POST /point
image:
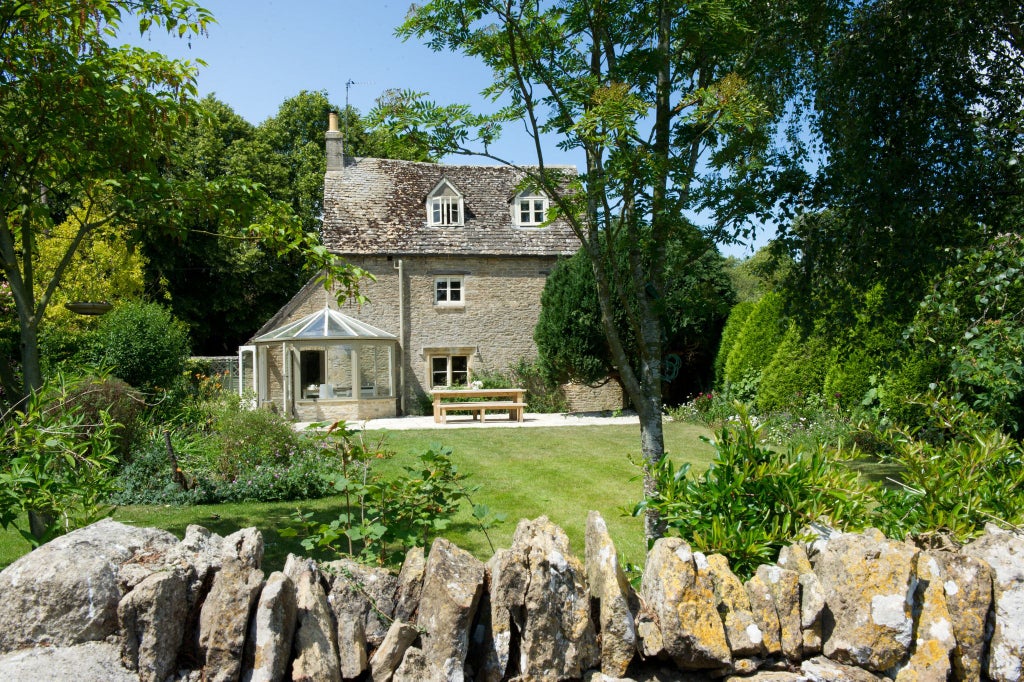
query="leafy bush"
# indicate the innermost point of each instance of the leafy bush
(124, 406)
(55, 463)
(143, 344)
(865, 353)
(958, 472)
(968, 335)
(196, 475)
(542, 395)
(709, 409)
(149, 478)
(808, 424)
(222, 452)
(245, 438)
(384, 516)
(754, 347)
(753, 500)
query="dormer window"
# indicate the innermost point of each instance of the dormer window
(444, 206)
(530, 209)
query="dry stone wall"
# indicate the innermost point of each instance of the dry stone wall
(114, 602)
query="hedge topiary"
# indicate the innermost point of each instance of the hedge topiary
(761, 334)
(733, 325)
(796, 371)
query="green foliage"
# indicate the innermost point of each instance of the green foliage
(753, 500)
(754, 347)
(762, 272)
(810, 423)
(733, 325)
(143, 344)
(541, 394)
(709, 409)
(223, 287)
(968, 335)
(219, 451)
(118, 121)
(56, 461)
(111, 158)
(384, 516)
(957, 473)
(864, 352)
(919, 109)
(571, 339)
(124, 407)
(796, 371)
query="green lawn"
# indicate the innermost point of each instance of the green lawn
(562, 472)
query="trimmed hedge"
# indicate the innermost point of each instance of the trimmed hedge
(733, 325)
(797, 370)
(760, 336)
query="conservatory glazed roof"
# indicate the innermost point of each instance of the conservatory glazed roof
(325, 324)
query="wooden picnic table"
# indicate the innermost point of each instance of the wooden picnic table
(479, 401)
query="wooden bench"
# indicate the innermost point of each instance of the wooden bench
(514, 409)
(478, 402)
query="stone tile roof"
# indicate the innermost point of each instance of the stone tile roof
(378, 206)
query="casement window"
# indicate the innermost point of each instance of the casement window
(444, 206)
(449, 291)
(449, 370)
(530, 209)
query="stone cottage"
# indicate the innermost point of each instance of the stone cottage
(460, 255)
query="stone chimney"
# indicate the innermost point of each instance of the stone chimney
(335, 144)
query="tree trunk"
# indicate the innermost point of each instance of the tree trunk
(39, 523)
(652, 447)
(32, 375)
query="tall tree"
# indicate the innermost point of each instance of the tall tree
(222, 287)
(79, 117)
(920, 110)
(673, 104)
(571, 345)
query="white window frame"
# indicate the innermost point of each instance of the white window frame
(445, 206)
(448, 370)
(535, 205)
(447, 281)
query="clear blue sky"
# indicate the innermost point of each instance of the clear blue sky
(261, 52)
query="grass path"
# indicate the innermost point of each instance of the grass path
(562, 472)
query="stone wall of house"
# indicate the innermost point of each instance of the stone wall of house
(608, 397)
(349, 410)
(115, 602)
(493, 325)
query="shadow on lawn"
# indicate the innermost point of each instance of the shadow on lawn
(274, 518)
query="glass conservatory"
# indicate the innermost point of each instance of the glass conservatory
(326, 365)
